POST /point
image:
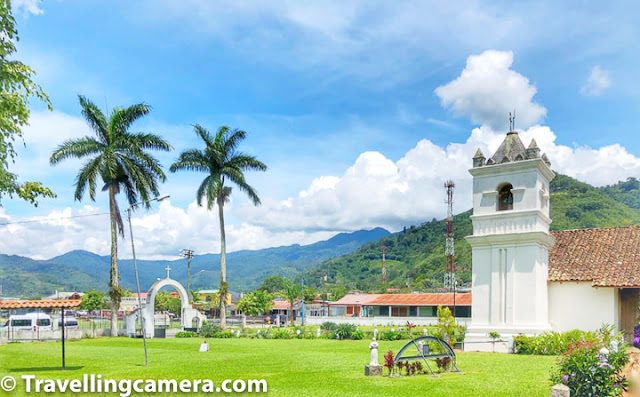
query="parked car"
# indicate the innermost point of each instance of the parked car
(28, 322)
(69, 322)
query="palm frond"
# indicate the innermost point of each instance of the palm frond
(76, 148)
(121, 119)
(87, 175)
(95, 118)
(233, 140)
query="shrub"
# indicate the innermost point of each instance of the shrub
(446, 327)
(209, 329)
(185, 334)
(392, 335)
(555, 343)
(331, 335)
(344, 331)
(443, 363)
(589, 369)
(389, 363)
(357, 335)
(282, 334)
(222, 335)
(329, 326)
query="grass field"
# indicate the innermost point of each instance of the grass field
(291, 367)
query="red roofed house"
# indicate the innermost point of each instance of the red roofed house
(528, 280)
(402, 307)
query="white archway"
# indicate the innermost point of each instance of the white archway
(187, 314)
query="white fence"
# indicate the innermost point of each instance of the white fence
(378, 321)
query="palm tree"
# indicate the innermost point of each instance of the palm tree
(120, 159)
(291, 293)
(222, 163)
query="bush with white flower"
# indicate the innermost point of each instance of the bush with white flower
(594, 368)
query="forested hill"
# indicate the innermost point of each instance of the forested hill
(416, 256)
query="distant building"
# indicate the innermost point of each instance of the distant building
(415, 305)
(63, 295)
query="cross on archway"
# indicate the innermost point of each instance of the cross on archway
(168, 269)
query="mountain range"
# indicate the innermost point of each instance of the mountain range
(415, 256)
(82, 270)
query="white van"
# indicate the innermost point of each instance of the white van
(28, 322)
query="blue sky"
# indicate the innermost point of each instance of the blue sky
(340, 99)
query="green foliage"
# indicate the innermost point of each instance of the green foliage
(357, 335)
(494, 335)
(273, 284)
(626, 192)
(446, 327)
(393, 335)
(593, 368)
(256, 302)
(185, 334)
(555, 343)
(344, 331)
(92, 300)
(282, 333)
(165, 302)
(208, 330)
(417, 254)
(16, 88)
(329, 326)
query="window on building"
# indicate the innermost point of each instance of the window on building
(413, 311)
(505, 198)
(384, 310)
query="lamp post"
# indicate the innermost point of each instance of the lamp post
(302, 307)
(187, 253)
(135, 268)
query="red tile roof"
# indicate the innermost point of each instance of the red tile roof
(607, 257)
(40, 304)
(355, 299)
(418, 299)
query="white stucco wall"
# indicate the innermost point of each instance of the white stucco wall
(580, 306)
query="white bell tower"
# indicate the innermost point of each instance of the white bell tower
(510, 243)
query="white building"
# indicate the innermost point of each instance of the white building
(520, 282)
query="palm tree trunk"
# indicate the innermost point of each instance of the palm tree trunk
(223, 263)
(114, 276)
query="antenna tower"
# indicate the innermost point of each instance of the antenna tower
(450, 267)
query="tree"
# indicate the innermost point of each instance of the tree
(256, 302)
(273, 284)
(92, 300)
(222, 163)
(290, 293)
(310, 294)
(121, 160)
(166, 302)
(16, 88)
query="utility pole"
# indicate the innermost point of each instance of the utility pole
(450, 268)
(187, 253)
(302, 302)
(384, 269)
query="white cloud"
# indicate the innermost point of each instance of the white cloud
(28, 6)
(488, 89)
(375, 191)
(597, 82)
(159, 234)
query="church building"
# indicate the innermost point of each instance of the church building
(528, 280)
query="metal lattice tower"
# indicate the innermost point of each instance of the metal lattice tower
(450, 267)
(384, 269)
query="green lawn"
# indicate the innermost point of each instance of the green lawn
(291, 367)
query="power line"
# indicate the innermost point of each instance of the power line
(53, 219)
